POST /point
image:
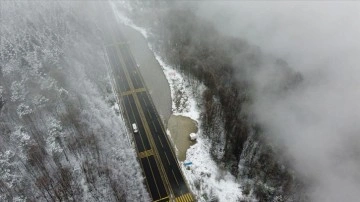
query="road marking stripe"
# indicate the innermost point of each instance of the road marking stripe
(154, 126)
(147, 109)
(138, 90)
(161, 199)
(167, 158)
(174, 177)
(143, 100)
(185, 197)
(160, 142)
(146, 153)
(189, 197)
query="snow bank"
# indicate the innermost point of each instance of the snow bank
(193, 136)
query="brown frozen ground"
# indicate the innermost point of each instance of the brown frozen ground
(180, 128)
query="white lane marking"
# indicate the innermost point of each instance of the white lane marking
(154, 125)
(160, 142)
(167, 158)
(175, 177)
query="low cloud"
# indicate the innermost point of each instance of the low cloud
(319, 121)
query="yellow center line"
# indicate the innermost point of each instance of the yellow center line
(129, 119)
(132, 87)
(141, 117)
(147, 129)
(162, 126)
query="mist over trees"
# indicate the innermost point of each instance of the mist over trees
(317, 120)
(226, 66)
(60, 139)
(229, 67)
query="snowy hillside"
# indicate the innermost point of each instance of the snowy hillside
(60, 137)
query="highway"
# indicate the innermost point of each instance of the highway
(163, 177)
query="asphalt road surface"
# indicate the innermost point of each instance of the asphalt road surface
(163, 176)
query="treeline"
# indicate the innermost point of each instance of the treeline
(226, 66)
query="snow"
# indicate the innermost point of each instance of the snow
(193, 136)
(207, 181)
(23, 109)
(178, 83)
(205, 178)
(206, 175)
(116, 107)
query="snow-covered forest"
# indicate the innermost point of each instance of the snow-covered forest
(268, 128)
(60, 137)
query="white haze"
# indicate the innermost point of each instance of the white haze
(319, 122)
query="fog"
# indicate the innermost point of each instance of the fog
(318, 122)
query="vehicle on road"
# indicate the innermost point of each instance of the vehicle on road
(135, 128)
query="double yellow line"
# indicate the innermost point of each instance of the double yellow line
(144, 122)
